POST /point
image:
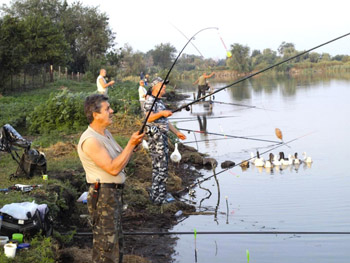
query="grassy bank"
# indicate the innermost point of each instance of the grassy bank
(66, 178)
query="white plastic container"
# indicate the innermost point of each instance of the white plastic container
(3, 240)
(10, 250)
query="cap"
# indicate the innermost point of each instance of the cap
(158, 80)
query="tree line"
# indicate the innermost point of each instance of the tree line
(35, 34)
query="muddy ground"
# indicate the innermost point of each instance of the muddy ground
(141, 215)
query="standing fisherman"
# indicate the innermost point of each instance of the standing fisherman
(157, 129)
(104, 162)
(202, 84)
(102, 85)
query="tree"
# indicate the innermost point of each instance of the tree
(88, 34)
(240, 58)
(12, 48)
(163, 55)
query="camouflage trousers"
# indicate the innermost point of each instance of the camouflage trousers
(158, 148)
(107, 227)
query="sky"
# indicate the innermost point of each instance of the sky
(258, 24)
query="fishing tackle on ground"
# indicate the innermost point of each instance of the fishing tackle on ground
(258, 72)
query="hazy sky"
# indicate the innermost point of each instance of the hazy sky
(258, 24)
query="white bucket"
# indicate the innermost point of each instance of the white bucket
(3, 240)
(10, 250)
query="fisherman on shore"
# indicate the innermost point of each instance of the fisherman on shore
(102, 85)
(157, 128)
(104, 161)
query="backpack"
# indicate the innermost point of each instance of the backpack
(32, 163)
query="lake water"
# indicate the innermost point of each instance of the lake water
(315, 198)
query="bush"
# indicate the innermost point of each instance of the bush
(63, 112)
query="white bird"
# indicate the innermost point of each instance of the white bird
(145, 145)
(259, 162)
(252, 158)
(307, 159)
(296, 159)
(175, 156)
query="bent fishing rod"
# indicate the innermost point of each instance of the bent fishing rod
(244, 161)
(229, 136)
(258, 72)
(167, 75)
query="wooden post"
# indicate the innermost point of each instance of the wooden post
(51, 73)
(72, 75)
(59, 72)
(66, 73)
(78, 75)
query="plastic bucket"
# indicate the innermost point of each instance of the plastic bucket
(3, 240)
(18, 237)
(10, 250)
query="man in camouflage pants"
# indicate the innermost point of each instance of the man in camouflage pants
(104, 162)
(157, 129)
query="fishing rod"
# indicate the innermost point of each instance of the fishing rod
(230, 136)
(167, 75)
(195, 119)
(258, 72)
(187, 39)
(229, 103)
(208, 117)
(244, 161)
(224, 233)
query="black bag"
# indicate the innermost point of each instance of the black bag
(31, 226)
(32, 163)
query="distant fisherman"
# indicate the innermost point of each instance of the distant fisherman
(102, 85)
(202, 84)
(157, 129)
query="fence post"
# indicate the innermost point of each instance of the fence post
(51, 73)
(78, 75)
(66, 73)
(59, 72)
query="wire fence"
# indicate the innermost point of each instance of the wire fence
(36, 76)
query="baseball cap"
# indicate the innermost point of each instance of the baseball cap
(158, 80)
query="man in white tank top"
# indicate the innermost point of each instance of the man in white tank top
(104, 162)
(102, 85)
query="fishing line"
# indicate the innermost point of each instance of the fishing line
(231, 136)
(228, 53)
(167, 75)
(260, 71)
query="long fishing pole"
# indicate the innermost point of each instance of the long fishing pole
(229, 103)
(268, 150)
(189, 120)
(187, 39)
(230, 136)
(167, 75)
(260, 71)
(225, 233)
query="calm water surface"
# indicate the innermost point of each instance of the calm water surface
(315, 198)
